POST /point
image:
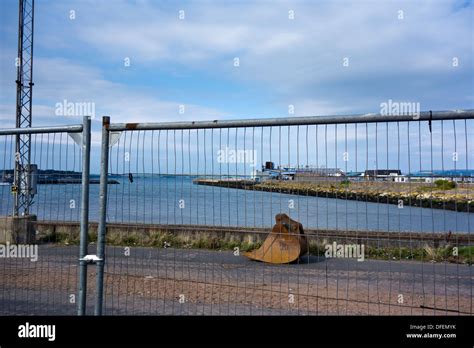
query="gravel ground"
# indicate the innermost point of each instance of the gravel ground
(200, 282)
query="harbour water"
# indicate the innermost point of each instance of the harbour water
(176, 200)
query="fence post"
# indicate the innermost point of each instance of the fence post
(86, 147)
(104, 168)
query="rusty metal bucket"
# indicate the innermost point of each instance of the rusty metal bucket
(286, 243)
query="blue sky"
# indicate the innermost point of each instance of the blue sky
(282, 61)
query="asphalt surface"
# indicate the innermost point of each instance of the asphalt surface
(150, 281)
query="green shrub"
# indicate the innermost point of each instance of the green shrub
(444, 184)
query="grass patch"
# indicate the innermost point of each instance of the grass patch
(465, 254)
(210, 241)
(59, 238)
(345, 183)
(158, 239)
(426, 253)
(439, 185)
(445, 184)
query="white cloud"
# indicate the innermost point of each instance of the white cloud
(295, 61)
(59, 79)
(321, 34)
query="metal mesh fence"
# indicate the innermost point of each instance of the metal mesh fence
(385, 208)
(59, 161)
(385, 204)
(39, 252)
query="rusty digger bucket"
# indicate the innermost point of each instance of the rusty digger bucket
(286, 242)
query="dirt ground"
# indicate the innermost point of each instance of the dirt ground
(196, 282)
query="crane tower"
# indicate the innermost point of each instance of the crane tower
(24, 88)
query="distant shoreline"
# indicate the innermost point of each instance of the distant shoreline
(66, 182)
(414, 198)
(55, 177)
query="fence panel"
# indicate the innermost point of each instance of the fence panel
(39, 263)
(385, 202)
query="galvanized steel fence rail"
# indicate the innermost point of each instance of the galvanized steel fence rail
(39, 265)
(190, 197)
(385, 201)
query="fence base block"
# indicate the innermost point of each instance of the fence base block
(18, 229)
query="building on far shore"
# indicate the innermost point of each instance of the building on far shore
(455, 175)
(383, 174)
(315, 174)
(355, 176)
(301, 174)
(322, 174)
(424, 176)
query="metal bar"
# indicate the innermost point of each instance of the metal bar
(86, 144)
(211, 288)
(37, 130)
(24, 83)
(295, 121)
(104, 162)
(28, 197)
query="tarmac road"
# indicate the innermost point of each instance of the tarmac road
(150, 281)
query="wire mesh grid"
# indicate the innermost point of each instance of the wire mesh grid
(59, 161)
(385, 208)
(38, 271)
